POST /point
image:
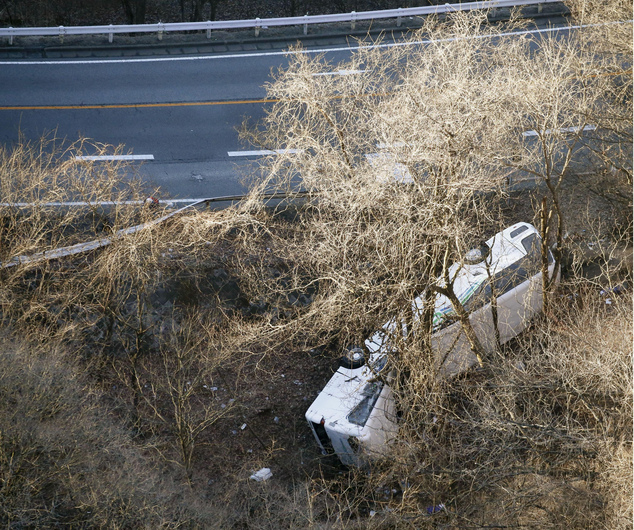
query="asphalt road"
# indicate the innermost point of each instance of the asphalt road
(184, 111)
(181, 111)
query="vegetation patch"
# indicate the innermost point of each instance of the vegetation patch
(144, 382)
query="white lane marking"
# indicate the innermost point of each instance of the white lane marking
(389, 170)
(565, 130)
(264, 152)
(341, 72)
(304, 52)
(115, 157)
(388, 146)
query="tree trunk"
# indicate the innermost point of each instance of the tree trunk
(467, 328)
(544, 232)
(134, 10)
(197, 10)
(494, 307)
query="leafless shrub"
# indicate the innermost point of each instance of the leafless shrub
(179, 389)
(62, 461)
(38, 181)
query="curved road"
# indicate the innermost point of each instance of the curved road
(179, 112)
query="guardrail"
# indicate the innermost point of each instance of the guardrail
(264, 23)
(81, 248)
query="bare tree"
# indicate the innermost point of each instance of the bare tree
(179, 391)
(576, 116)
(402, 163)
(398, 160)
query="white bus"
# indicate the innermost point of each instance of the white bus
(354, 415)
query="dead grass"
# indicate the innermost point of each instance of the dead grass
(62, 460)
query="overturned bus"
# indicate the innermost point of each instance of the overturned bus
(355, 416)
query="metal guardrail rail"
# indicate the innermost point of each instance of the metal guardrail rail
(95, 244)
(262, 23)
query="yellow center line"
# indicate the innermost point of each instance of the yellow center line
(236, 102)
(138, 105)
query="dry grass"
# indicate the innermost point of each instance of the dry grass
(62, 460)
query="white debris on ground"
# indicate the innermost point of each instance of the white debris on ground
(262, 475)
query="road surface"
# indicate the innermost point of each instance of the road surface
(178, 114)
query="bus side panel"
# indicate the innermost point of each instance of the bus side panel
(514, 311)
(452, 348)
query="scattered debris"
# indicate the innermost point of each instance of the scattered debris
(435, 509)
(244, 426)
(617, 289)
(262, 475)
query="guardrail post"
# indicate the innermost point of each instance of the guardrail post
(209, 29)
(399, 17)
(306, 24)
(111, 34)
(448, 8)
(160, 31)
(257, 27)
(540, 7)
(62, 32)
(10, 37)
(353, 20)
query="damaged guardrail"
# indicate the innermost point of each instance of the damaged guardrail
(81, 248)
